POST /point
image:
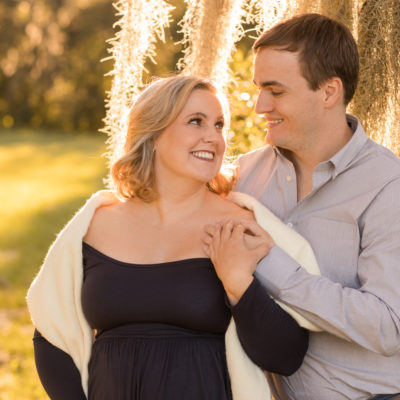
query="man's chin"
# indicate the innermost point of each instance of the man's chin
(269, 139)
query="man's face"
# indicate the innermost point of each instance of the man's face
(292, 110)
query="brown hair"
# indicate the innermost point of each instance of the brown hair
(153, 111)
(326, 49)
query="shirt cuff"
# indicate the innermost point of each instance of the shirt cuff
(275, 269)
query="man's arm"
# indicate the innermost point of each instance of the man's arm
(368, 315)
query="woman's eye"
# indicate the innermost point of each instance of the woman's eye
(275, 93)
(195, 121)
(219, 125)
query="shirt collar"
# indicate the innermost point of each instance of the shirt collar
(348, 152)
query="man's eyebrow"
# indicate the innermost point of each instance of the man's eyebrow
(269, 83)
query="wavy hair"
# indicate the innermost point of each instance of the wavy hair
(154, 110)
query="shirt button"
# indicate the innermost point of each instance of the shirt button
(288, 178)
(290, 225)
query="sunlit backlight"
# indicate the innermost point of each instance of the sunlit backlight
(210, 30)
(140, 23)
(244, 96)
(390, 135)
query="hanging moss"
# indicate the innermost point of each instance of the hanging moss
(377, 100)
(210, 29)
(140, 23)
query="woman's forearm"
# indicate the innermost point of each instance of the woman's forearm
(270, 336)
(59, 375)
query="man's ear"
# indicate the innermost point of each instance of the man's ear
(333, 92)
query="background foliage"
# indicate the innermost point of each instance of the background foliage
(52, 90)
(51, 74)
(50, 70)
(44, 178)
(52, 77)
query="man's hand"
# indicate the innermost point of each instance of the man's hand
(235, 251)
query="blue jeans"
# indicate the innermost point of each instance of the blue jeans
(385, 396)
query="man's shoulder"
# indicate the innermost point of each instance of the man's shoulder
(372, 169)
(385, 152)
(368, 154)
(382, 158)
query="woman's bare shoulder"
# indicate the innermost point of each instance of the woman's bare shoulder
(107, 212)
(105, 220)
(230, 210)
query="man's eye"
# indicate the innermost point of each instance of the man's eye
(195, 121)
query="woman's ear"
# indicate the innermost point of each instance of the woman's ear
(333, 92)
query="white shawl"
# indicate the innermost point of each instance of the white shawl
(54, 298)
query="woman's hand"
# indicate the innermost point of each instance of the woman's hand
(235, 250)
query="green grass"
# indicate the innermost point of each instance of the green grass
(45, 177)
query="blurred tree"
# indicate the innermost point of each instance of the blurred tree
(247, 128)
(51, 74)
(50, 70)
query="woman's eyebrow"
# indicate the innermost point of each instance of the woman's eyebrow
(197, 114)
(201, 114)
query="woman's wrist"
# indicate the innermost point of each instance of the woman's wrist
(235, 290)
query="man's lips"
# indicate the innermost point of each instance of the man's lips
(273, 122)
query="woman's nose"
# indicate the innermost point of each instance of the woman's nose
(211, 134)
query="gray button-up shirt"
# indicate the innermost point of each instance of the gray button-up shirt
(352, 220)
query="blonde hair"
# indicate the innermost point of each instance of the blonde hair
(154, 110)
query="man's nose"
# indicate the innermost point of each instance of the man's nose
(264, 103)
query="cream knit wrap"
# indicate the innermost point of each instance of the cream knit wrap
(54, 298)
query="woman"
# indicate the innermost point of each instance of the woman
(141, 279)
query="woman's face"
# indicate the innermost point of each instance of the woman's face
(193, 146)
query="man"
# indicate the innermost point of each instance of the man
(324, 177)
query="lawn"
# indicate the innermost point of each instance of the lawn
(45, 177)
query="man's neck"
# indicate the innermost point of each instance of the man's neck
(306, 159)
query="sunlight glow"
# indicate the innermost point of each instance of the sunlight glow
(211, 28)
(141, 23)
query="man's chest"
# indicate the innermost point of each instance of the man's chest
(329, 218)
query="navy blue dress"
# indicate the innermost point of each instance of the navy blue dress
(160, 329)
(160, 333)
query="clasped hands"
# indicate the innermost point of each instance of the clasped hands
(235, 249)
